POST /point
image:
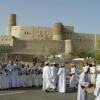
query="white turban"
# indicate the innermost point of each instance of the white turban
(85, 69)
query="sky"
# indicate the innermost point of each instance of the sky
(84, 15)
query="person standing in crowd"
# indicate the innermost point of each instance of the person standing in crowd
(39, 75)
(10, 68)
(19, 74)
(97, 87)
(54, 72)
(5, 81)
(28, 76)
(74, 77)
(23, 76)
(36, 78)
(83, 84)
(33, 74)
(15, 76)
(93, 74)
(62, 79)
(47, 77)
(56, 79)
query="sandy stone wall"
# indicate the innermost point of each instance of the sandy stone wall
(43, 47)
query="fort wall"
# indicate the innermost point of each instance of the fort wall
(38, 47)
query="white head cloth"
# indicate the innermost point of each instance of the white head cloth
(85, 69)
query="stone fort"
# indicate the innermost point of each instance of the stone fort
(26, 41)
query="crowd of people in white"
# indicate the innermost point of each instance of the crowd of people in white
(15, 75)
(51, 77)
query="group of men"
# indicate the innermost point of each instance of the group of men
(54, 77)
(51, 76)
(85, 82)
(16, 75)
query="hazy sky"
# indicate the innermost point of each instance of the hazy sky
(84, 15)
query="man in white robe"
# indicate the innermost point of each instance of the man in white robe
(36, 76)
(40, 76)
(97, 87)
(54, 73)
(15, 76)
(5, 81)
(62, 79)
(29, 76)
(10, 68)
(93, 74)
(33, 74)
(47, 77)
(19, 75)
(83, 84)
(23, 76)
(74, 78)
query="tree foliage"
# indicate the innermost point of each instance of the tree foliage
(81, 53)
(97, 57)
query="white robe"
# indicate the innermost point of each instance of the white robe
(47, 78)
(19, 76)
(5, 84)
(83, 81)
(97, 88)
(74, 80)
(93, 74)
(10, 68)
(54, 74)
(23, 77)
(1, 77)
(15, 76)
(36, 78)
(29, 77)
(40, 76)
(62, 80)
